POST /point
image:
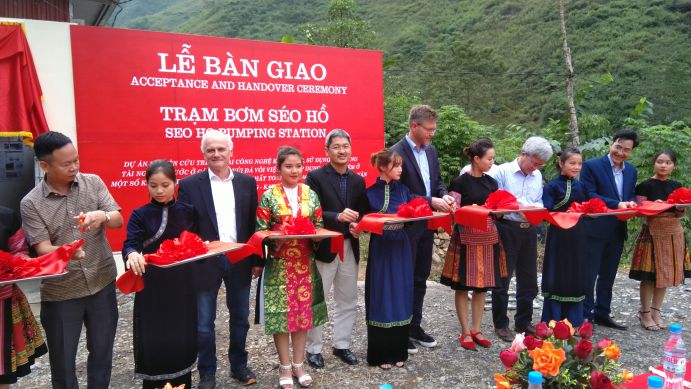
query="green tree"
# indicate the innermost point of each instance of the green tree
(344, 28)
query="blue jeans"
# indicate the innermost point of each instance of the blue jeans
(237, 279)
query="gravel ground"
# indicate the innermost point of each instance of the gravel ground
(447, 365)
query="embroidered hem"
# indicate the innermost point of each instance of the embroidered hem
(564, 299)
(390, 324)
(161, 377)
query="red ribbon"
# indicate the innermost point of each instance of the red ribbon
(301, 225)
(15, 268)
(374, 222)
(501, 199)
(171, 251)
(258, 237)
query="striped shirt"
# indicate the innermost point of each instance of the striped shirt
(48, 216)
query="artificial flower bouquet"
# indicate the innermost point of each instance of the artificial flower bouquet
(566, 358)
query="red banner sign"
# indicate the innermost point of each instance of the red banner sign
(142, 95)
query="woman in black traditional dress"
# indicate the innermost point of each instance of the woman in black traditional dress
(473, 259)
(389, 277)
(661, 258)
(165, 312)
(565, 270)
(16, 319)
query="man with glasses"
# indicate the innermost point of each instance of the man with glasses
(422, 175)
(342, 197)
(613, 180)
(522, 178)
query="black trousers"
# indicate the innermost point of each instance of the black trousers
(421, 244)
(520, 245)
(62, 322)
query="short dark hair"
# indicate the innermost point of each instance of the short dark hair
(626, 134)
(161, 166)
(671, 154)
(48, 142)
(337, 132)
(284, 152)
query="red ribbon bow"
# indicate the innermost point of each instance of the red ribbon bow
(680, 196)
(594, 205)
(417, 207)
(501, 199)
(301, 225)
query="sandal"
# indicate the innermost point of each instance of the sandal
(285, 382)
(304, 380)
(486, 343)
(658, 321)
(400, 364)
(651, 327)
(467, 344)
(385, 366)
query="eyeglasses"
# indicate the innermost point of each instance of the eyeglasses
(619, 148)
(430, 130)
(337, 148)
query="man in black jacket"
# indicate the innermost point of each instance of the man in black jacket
(225, 203)
(422, 175)
(342, 196)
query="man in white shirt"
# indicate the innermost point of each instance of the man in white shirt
(225, 204)
(522, 178)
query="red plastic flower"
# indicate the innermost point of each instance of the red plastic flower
(501, 199)
(562, 331)
(532, 342)
(508, 358)
(594, 205)
(417, 207)
(585, 331)
(583, 348)
(542, 331)
(680, 196)
(600, 380)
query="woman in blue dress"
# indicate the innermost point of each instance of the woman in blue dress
(565, 271)
(389, 277)
(165, 311)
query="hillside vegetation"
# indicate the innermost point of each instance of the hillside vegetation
(501, 60)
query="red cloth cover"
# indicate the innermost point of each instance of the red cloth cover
(20, 91)
(55, 262)
(258, 237)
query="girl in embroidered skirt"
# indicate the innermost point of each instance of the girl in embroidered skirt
(564, 270)
(292, 298)
(165, 312)
(21, 340)
(473, 259)
(389, 276)
(661, 258)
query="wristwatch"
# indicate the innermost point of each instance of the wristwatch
(107, 217)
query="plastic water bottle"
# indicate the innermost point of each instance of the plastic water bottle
(534, 380)
(675, 359)
(655, 382)
(385, 386)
